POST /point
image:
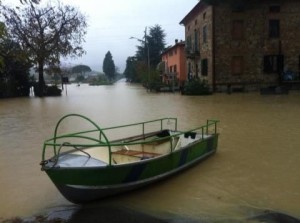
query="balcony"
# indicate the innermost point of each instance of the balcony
(192, 53)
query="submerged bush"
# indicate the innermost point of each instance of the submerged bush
(47, 91)
(196, 87)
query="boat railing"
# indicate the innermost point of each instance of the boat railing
(103, 141)
(211, 123)
(144, 124)
(209, 129)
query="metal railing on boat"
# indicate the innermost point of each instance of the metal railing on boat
(103, 141)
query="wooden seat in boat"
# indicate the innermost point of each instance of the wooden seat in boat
(140, 154)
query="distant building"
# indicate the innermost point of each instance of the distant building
(174, 64)
(243, 44)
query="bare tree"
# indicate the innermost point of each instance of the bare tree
(46, 33)
(28, 1)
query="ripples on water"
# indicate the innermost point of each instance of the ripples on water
(256, 167)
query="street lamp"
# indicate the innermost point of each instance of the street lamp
(148, 55)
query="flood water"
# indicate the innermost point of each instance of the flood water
(256, 166)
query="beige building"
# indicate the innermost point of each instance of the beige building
(243, 44)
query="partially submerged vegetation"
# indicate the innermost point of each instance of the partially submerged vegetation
(196, 87)
(44, 44)
(99, 80)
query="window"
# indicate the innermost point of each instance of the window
(274, 28)
(175, 68)
(273, 63)
(237, 65)
(197, 70)
(274, 9)
(204, 15)
(237, 31)
(204, 67)
(204, 34)
(188, 42)
(196, 45)
(189, 71)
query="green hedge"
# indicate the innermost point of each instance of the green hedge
(196, 87)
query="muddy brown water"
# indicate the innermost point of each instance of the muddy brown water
(256, 167)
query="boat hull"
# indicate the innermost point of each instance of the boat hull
(81, 185)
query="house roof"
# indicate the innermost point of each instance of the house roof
(179, 43)
(195, 11)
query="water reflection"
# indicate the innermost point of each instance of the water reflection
(256, 166)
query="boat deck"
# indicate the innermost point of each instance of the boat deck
(75, 160)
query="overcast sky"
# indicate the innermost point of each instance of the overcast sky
(112, 22)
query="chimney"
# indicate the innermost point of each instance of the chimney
(176, 41)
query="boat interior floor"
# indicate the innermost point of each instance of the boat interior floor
(75, 160)
(97, 156)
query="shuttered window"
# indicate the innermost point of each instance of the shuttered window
(237, 65)
(237, 30)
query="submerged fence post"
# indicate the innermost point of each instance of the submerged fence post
(215, 127)
(144, 130)
(207, 122)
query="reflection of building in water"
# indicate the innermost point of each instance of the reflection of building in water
(243, 45)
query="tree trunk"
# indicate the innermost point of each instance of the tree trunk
(41, 85)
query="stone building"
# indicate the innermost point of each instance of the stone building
(245, 45)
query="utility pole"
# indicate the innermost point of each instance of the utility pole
(148, 55)
(146, 44)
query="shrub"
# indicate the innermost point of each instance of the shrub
(196, 87)
(48, 91)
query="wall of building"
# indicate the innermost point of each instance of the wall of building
(256, 43)
(290, 44)
(175, 57)
(198, 49)
(182, 76)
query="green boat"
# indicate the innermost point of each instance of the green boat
(100, 162)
